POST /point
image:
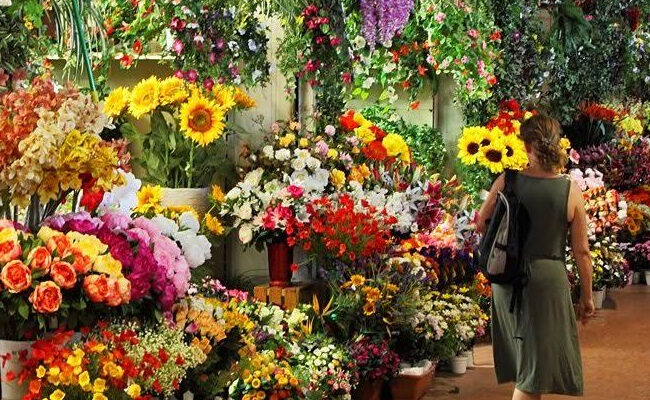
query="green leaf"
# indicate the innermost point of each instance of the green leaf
(23, 310)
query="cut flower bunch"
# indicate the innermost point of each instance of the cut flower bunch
(183, 148)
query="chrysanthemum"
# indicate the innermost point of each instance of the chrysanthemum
(149, 198)
(217, 194)
(469, 144)
(515, 156)
(144, 97)
(172, 90)
(202, 120)
(493, 156)
(116, 102)
(224, 96)
(243, 100)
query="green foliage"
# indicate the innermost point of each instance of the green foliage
(475, 179)
(571, 29)
(426, 142)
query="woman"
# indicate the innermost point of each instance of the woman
(537, 346)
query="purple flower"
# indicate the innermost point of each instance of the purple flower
(192, 75)
(322, 148)
(383, 19)
(330, 130)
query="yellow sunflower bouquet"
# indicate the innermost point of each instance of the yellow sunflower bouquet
(183, 147)
(491, 149)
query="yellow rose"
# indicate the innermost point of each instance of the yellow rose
(99, 385)
(286, 140)
(303, 143)
(84, 379)
(106, 264)
(333, 154)
(40, 371)
(134, 390)
(337, 178)
(58, 394)
(99, 396)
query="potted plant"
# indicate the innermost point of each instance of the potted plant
(376, 363)
(184, 150)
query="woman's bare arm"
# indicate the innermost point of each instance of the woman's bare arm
(580, 246)
(487, 209)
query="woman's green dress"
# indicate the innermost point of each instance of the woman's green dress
(537, 346)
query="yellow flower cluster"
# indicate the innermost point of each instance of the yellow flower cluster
(262, 374)
(492, 149)
(393, 143)
(202, 115)
(149, 200)
(371, 294)
(630, 125)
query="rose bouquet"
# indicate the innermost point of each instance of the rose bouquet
(125, 362)
(52, 148)
(326, 369)
(53, 278)
(153, 262)
(183, 149)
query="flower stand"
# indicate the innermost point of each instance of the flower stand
(289, 297)
(368, 390)
(10, 368)
(412, 383)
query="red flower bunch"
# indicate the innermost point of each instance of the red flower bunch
(338, 229)
(375, 360)
(322, 40)
(509, 118)
(348, 122)
(639, 195)
(595, 111)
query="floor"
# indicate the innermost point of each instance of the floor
(615, 353)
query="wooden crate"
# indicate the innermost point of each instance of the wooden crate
(289, 297)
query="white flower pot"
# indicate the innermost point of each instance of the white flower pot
(636, 277)
(647, 278)
(599, 297)
(12, 390)
(196, 198)
(459, 365)
(470, 357)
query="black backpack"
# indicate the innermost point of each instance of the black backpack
(500, 255)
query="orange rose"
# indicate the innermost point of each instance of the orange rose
(82, 264)
(124, 289)
(96, 287)
(60, 244)
(63, 274)
(46, 298)
(40, 258)
(16, 276)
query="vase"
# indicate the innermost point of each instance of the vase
(647, 278)
(368, 390)
(412, 387)
(196, 198)
(599, 297)
(280, 256)
(459, 365)
(636, 278)
(13, 365)
(470, 357)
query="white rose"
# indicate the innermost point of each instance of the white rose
(188, 220)
(302, 154)
(313, 163)
(268, 151)
(283, 154)
(253, 178)
(245, 233)
(233, 193)
(298, 164)
(359, 42)
(244, 212)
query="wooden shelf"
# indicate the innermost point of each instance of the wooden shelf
(289, 297)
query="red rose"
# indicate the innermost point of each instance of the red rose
(63, 274)
(46, 298)
(16, 276)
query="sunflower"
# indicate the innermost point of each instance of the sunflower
(491, 135)
(493, 156)
(172, 90)
(469, 144)
(515, 156)
(217, 194)
(202, 120)
(224, 96)
(214, 225)
(149, 199)
(243, 100)
(116, 101)
(144, 97)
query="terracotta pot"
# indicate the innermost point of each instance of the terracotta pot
(411, 387)
(195, 198)
(280, 256)
(12, 390)
(368, 390)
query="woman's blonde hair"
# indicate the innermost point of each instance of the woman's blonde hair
(543, 134)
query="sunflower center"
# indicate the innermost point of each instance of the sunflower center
(509, 151)
(494, 155)
(473, 148)
(200, 120)
(485, 142)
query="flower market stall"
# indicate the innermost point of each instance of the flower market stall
(302, 146)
